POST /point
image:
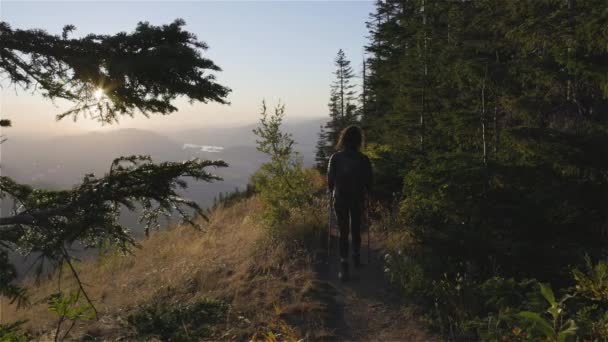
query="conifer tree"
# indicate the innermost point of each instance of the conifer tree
(138, 72)
(321, 156)
(343, 110)
(514, 105)
(364, 90)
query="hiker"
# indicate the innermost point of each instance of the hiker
(349, 179)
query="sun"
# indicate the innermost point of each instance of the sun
(98, 93)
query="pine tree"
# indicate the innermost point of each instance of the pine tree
(343, 110)
(364, 90)
(384, 52)
(321, 156)
(142, 71)
(510, 101)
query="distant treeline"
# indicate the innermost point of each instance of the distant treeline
(228, 198)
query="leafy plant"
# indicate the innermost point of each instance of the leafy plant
(591, 291)
(594, 283)
(11, 333)
(461, 305)
(579, 313)
(69, 309)
(282, 183)
(550, 328)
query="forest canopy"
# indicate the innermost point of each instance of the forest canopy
(492, 119)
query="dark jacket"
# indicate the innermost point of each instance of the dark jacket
(349, 174)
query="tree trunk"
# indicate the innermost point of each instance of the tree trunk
(342, 93)
(496, 133)
(483, 115)
(364, 94)
(569, 92)
(424, 57)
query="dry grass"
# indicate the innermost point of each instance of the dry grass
(264, 284)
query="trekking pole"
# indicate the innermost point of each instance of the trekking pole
(369, 228)
(329, 219)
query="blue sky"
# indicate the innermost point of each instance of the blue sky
(267, 49)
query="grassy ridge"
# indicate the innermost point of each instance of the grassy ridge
(268, 287)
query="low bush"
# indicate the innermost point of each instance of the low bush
(12, 333)
(178, 322)
(283, 185)
(463, 306)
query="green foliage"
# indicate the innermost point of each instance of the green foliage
(283, 185)
(343, 110)
(591, 294)
(551, 328)
(526, 218)
(7, 274)
(578, 314)
(405, 273)
(593, 284)
(463, 307)
(11, 333)
(391, 163)
(69, 309)
(492, 119)
(322, 151)
(140, 71)
(69, 306)
(178, 322)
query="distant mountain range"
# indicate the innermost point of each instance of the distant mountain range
(61, 162)
(304, 132)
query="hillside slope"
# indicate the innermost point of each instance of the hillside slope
(271, 290)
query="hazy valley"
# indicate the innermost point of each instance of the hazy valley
(60, 162)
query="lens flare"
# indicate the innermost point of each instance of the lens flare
(99, 94)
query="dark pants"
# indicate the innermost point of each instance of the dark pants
(349, 210)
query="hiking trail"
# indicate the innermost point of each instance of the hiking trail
(366, 308)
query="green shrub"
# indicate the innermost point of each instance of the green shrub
(524, 219)
(282, 184)
(549, 325)
(463, 305)
(405, 273)
(12, 333)
(593, 283)
(178, 322)
(580, 313)
(70, 309)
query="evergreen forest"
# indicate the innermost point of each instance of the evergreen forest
(486, 122)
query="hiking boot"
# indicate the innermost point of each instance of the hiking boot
(357, 260)
(343, 274)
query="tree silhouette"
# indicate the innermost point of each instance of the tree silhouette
(342, 109)
(106, 77)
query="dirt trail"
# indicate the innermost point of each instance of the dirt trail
(366, 307)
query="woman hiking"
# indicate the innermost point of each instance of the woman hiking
(349, 178)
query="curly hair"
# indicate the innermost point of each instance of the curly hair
(350, 138)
